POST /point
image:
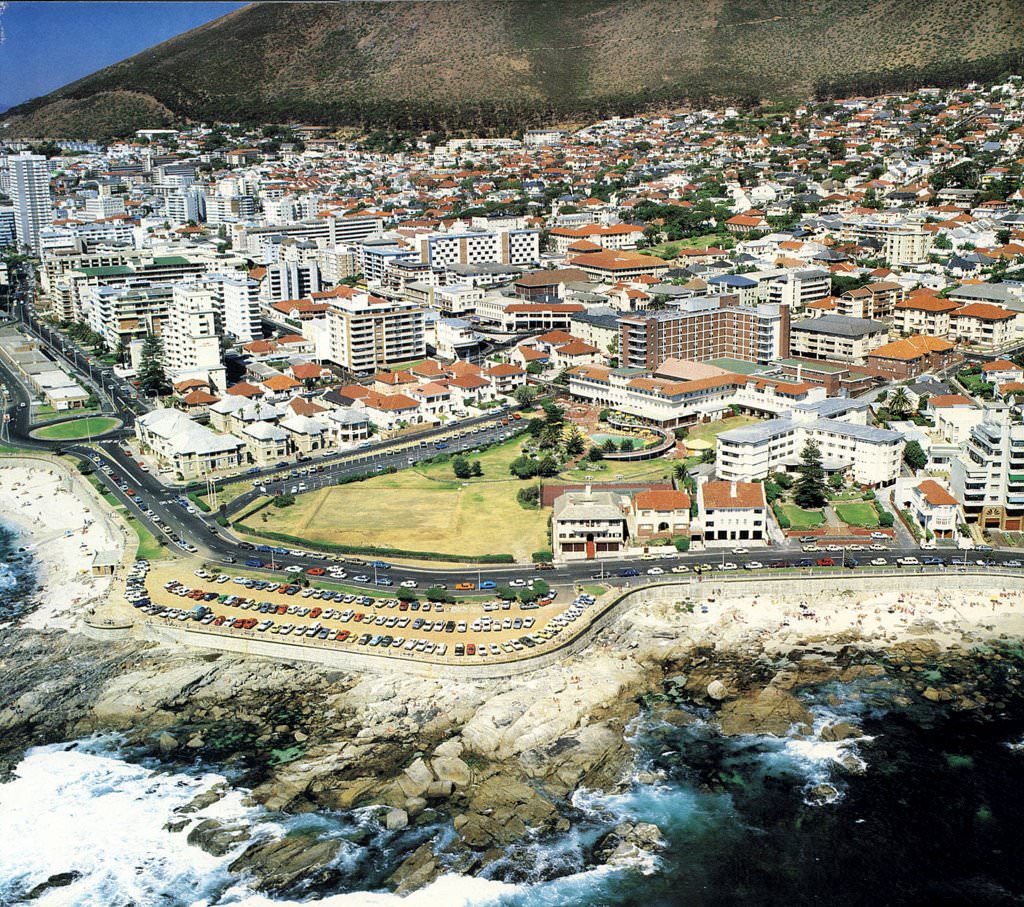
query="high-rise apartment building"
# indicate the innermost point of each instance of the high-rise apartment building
(367, 332)
(192, 338)
(29, 189)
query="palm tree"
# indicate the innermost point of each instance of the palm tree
(899, 402)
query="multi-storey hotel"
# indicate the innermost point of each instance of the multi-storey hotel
(847, 444)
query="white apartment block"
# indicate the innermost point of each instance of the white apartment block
(508, 247)
(238, 301)
(192, 339)
(290, 280)
(798, 288)
(121, 314)
(873, 456)
(366, 333)
(988, 476)
(904, 240)
(29, 189)
(104, 206)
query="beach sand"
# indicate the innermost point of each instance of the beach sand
(62, 527)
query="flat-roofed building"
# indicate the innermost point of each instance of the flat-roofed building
(871, 456)
(837, 338)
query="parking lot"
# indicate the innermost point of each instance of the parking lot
(184, 595)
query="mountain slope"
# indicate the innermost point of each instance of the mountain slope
(479, 63)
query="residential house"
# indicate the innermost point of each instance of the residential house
(732, 511)
(660, 514)
(589, 524)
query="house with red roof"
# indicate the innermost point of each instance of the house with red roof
(932, 506)
(1001, 371)
(662, 514)
(732, 511)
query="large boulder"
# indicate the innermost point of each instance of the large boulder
(285, 864)
(217, 839)
(453, 769)
(396, 819)
(771, 711)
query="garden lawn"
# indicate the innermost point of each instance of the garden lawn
(862, 514)
(424, 510)
(711, 430)
(802, 519)
(606, 471)
(77, 429)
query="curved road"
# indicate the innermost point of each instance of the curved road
(152, 498)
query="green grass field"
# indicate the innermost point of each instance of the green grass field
(605, 471)
(423, 509)
(149, 547)
(862, 514)
(711, 430)
(77, 429)
(803, 519)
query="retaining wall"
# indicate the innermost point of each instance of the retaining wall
(613, 605)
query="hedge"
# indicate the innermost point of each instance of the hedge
(199, 502)
(542, 557)
(337, 548)
(780, 517)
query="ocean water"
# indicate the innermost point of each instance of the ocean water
(926, 807)
(17, 576)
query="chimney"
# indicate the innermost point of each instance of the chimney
(732, 489)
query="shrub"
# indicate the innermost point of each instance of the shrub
(203, 506)
(461, 468)
(542, 557)
(886, 519)
(595, 454)
(682, 543)
(783, 480)
(781, 518)
(283, 500)
(529, 497)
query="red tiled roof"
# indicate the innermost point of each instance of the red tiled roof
(662, 501)
(935, 494)
(719, 495)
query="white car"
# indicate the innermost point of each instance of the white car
(655, 571)
(908, 561)
(294, 568)
(408, 584)
(881, 536)
(516, 583)
(753, 565)
(740, 550)
(879, 562)
(680, 568)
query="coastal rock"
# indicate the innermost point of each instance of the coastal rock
(416, 870)
(167, 743)
(841, 730)
(717, 690)
(58, 880)
(396, 819)
(451, 768)
(771, 711)
(217, 839)
(414, 806)
(416, 778)
(280, 865)
(629, 844)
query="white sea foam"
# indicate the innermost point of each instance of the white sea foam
(103, 818)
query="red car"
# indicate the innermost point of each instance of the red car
(316, 612)
(470, 649)
(342, 635)
(826, 562)
(316, 571)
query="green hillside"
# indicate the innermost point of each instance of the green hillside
(491, 63)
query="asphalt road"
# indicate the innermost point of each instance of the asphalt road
(152, 499)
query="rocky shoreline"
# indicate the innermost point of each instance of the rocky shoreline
(498, 762)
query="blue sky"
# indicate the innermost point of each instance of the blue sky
(47, 45)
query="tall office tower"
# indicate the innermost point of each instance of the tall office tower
(30, 192)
